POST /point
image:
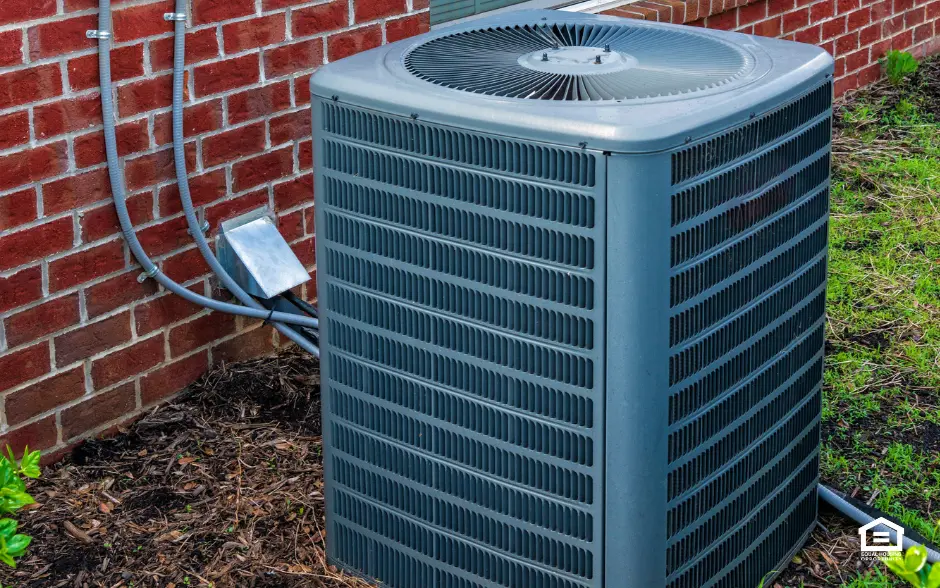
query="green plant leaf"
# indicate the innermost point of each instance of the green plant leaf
(29, 466)
(933, 578)
(895, 563)
(915, 558)
(13, 500)
(5, 558)
(7, 528)
(18, 544)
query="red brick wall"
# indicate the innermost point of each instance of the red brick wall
(83, 345)
(857, 33)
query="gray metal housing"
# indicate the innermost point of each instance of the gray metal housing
(571, 344)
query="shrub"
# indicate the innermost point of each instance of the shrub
(898, 65)
(13, 497)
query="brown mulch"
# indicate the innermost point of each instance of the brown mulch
(223, 487)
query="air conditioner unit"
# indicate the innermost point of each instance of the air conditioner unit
(572, 277)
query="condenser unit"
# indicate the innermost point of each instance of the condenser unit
(572, 278)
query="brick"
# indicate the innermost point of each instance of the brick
(305, 155)
(51, 316)
(199, 332)
(915, 17)
(810, 35)
(351, 42)
(258, 102)
(65, 116)
(21, 288)
(833, 28)
(204, 117)
(838, 68)
(126, 62)
(795, 20)
(93, 338)
(821, 11)
(203, 189)
(290, 127)
(98, 410)
(869, 74)
(373, 9)
(169, 380)
(233, 207)
(310, 220)
(28, 85)
(127, 362)
(892, 26)
(294, 192)
(167, 309)
(267, 5)
(288, 59)
(320, 19)
(227, 75)
(879, 49)
(32, 165)
(302, 89)
(902, 41)
(255, 343)
(291, 226)
(775, 7)
(35, 243)
(145, 95)
(306, 252)
(146, 20)
(869, 35)
(132, 137)
(846, 84)
(900, 6)
(11, 48)
(923, 32)
(164, 237)
(17, 208)
(257, 32)
(233, 144)
(262, 169)
(207, 11)
(859, 18)
(403, 28)
(40, 435)
(84, 266)
(60, 37)
(23, 365)
(857, 60)
(102, 221)
(147, 170)
(75, 191)
(113, 293)
(200, 46)
(847, 43)
(752, 13)
(933, 10)
(45, 395)
(844, 6)
(880, 10)
(23, 10)
(724, 21)
(14, 130)
(185, 266)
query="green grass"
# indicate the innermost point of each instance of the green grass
(882, 406)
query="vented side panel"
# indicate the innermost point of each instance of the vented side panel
(748, 288)
(461, 294)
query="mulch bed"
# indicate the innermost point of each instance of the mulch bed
(223, 487)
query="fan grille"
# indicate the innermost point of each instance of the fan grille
(530, 62)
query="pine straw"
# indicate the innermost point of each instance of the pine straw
(223, 487)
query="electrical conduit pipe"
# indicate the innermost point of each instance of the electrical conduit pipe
(120, 204)
(182, 180)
